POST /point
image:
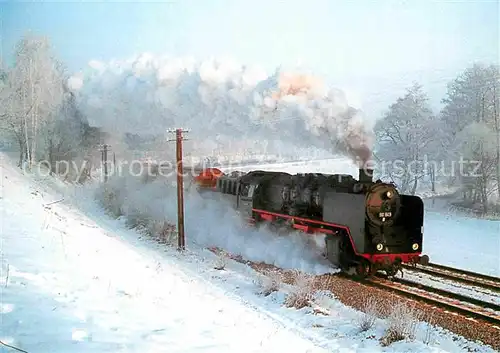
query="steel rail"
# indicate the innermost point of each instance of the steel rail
(459, 275)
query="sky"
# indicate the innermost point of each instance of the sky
(374, 49)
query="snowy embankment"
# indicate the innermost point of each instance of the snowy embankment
(74, 283)
(70, 285)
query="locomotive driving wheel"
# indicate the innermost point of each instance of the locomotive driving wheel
(363, 269)
(394, 269)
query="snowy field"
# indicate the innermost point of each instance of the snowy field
(449, 239)
(74, 280)
(467, 243)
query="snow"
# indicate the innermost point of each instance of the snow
(467, 243)
(74, 280)
(101, 294)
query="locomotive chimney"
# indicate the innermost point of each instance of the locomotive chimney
(365, 175)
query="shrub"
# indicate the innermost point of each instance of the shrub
(369, 314)
(109, 199)
(164, 232)
(137, 219)
(269, 282)
(221, 261)
(429, 329)
(144, 206)
(403, 322)
(323, 302)
(302, 293)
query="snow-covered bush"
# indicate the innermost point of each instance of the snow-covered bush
(109, 198)
(402, 321)
(269, 282)
(369, 314)
(221, 261)
(164, 232)
(141, 202)
(324, 302)
(302, 293)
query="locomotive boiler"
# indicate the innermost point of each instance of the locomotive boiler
(368, 226)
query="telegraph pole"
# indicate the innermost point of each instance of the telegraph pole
(104, 159)
(181, 243)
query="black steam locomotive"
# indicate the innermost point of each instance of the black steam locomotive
(368, 226)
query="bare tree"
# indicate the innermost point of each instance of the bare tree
(403, 137)
(496, 119)
(471, 117)
(12, 118)
(32, 93)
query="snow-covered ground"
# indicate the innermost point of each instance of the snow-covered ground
(74, 280)
(467, 243)
(70, 285)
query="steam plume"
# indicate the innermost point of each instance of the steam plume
(325, 113)
(226, 106)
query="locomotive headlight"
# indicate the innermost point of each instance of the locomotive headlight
(380, 247)
(389, 194)
(415, 246)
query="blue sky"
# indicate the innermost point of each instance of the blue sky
(360, 44)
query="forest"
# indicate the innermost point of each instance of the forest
(458, 147)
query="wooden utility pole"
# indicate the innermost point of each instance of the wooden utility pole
(104, 159)
(181, 241)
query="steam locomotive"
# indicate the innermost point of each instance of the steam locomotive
(368, 226)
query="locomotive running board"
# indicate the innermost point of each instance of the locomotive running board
(311, 226)
(271, 216)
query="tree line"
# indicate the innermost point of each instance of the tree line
(38, 111)
(457, 147)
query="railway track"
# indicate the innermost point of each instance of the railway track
(467, 277)
(467, 306)
(449, 301)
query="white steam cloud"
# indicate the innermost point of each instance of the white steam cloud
(209, 222)
(225, 105)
